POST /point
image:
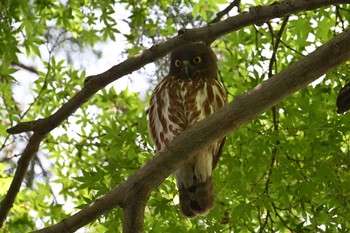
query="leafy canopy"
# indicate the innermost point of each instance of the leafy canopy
(287, 170)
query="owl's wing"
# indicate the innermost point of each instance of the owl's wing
(166, 117)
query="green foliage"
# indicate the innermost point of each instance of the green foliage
(286, 171)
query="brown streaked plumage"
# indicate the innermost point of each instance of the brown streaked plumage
(188, 94)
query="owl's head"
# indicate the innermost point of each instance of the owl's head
(193, 60)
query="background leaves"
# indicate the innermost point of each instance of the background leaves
(286, 171)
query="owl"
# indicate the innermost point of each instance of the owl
(188, 94)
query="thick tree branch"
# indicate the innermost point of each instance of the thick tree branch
(244, 108)
(133, 216)
(23, 162)
(94, 83)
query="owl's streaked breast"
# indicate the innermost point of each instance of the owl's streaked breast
(177, 104)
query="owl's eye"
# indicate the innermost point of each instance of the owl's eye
(178, 63)
(197, 59)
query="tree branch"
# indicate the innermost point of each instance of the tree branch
(225, 11)
(96, 82)
(25, 67)
(275, 114)
(133, 216)
(244, 108)
(23, 162)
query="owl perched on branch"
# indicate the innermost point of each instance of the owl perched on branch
(188, 94)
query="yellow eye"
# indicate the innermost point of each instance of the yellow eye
(197, 59)
(178, 63)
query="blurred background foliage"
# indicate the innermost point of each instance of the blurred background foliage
(286, 171)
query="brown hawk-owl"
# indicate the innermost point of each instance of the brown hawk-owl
(189, 93)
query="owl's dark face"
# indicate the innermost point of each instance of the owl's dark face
(193, 60)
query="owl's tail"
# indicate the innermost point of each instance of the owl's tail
(197, 199)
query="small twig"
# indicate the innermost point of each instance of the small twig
(28, 68)
(265, 223)
(225, 11)
(272, 163)
(46, 175)
(281, 219)
(224, 85)
(4, 143)
(30, 126)
(43, 87)
(275, 114)
(57, 42)
(339, 16)
(276, 43)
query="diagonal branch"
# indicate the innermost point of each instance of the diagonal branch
(25, 67)
(23, 162)
(94, 83)
(243, 109)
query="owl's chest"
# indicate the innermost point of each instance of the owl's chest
(189, 94)
(187, 101)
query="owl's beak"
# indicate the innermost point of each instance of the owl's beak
(186, 68)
